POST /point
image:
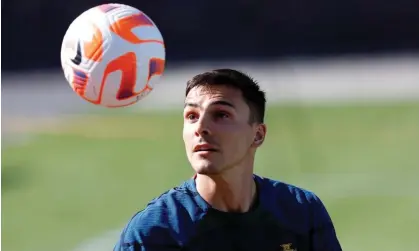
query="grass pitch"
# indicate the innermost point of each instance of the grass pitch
(91, 174)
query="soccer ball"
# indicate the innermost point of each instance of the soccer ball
(112, 55)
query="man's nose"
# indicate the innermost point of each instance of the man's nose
(203, 127)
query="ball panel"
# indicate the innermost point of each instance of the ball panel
(80, 80)
(93, 48)
(156, 69)
(123, 27)
(105, 8)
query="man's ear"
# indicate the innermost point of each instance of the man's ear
(260, 135)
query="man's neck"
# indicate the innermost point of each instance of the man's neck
(228, 192)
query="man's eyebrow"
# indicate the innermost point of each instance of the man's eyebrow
(218, 102)
(195, 105)
(222, 102)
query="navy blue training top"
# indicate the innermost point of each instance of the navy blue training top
(284, 218)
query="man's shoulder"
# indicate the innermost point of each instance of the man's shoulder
(181, 195)
(289, 201)
(301, 210)
(287, 191)
(165, 217)
(173, 204)
(289, 196)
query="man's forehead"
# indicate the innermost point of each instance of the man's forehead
(201, 94)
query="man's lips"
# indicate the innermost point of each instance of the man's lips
(204, 148)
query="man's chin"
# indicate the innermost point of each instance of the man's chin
(207, 168)
(207, 171)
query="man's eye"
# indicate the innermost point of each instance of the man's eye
(222, 115)
(191, 116)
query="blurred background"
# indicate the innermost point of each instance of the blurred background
(343, 116)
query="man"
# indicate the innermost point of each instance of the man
(225, 206)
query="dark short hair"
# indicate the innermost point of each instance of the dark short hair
(252, 94)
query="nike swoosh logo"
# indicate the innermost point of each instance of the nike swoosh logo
(77, 59)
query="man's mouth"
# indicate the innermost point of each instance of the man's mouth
(204, 148)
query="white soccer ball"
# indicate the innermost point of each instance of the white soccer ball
(112, 55)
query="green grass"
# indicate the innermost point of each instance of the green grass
(92, 174)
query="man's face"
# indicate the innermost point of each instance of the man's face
(216, 130)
